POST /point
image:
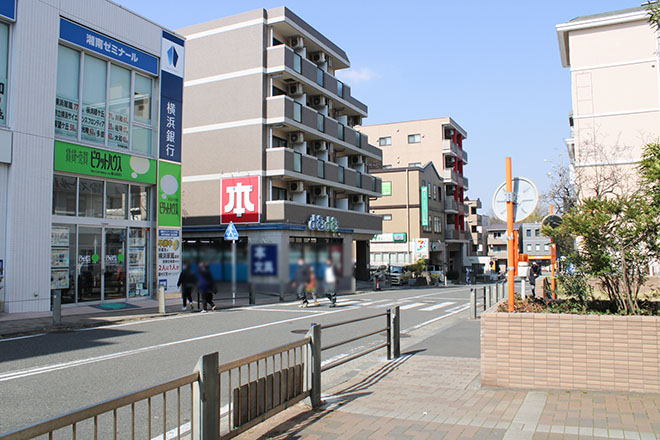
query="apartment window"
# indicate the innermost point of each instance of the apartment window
(358, 139)
(537, 232)
(387, 167)
(538, 247)
(340, 174)
(320, 169)
(320, 77)
(435, 192)
(415, 165)
(385, 141)
(428, 190)
(358, 179)
(320, 122)
(529, 248)
(297, 112)
(297, 162)
(279, 142)
(297, 63)
(423, 182)
(340, 89)
(387, 217)
(414, 138)
(102, 115)
(279, 194)
(340, 131)
(278, 92)
(437, 225)
(529, 232)
(546, 247)
(386, 188)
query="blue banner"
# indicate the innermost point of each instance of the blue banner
(263, 260)
(171, 97)
(8, 9)
(95, 42)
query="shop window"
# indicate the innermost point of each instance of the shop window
(114, 274)
(90, 198)
(138, 243)
(4, 59)
(64, 195)
(67, 100)
(139, 203)
(105, 114)
(63, 261)
(116, 198)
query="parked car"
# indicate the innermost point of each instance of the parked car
(395, 273)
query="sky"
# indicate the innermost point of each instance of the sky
(493, 67)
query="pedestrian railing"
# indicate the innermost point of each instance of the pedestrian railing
(216, 401)
(482, 298)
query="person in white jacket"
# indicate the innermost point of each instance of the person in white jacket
(330, 282)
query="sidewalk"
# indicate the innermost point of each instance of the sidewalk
(421, 396)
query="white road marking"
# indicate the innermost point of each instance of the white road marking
(430, 321)
(411, 306)
(21, 337)
(437, 306)
(48, 368)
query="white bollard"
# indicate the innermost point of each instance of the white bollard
(161, 299)
(523, 291)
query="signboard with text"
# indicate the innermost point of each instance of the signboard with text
(263, 260)
(169, 258)
(421, 248)
(103, 163)
(240, 199)
(169, 194)
(425, 205)
(171, 97)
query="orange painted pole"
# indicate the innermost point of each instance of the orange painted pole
(509, 232)
(516, 253)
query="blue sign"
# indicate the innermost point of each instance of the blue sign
(95, 42)
(172, 55)
(263, 260)
(231, 233)
(8, 9)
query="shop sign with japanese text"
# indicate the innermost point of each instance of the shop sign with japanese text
(171, 96)
(169, 194)
(169, 258)
(106, 46)
(263, 259)
(323, 224)
(240, 199)
(90, 161)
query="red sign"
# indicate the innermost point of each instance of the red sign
(240, 199)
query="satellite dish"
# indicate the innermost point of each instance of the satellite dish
(525, 198)
(552, 220)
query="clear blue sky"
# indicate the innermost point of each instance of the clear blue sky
(493, 67)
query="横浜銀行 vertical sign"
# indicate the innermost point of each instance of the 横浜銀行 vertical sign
(171, 96)
(104, 45)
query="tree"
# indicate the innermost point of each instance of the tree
(654, 13)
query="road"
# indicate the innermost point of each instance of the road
(45, 375)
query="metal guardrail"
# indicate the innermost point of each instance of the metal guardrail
(256, 387)
(482, 298)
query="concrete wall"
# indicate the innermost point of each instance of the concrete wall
(584, 352)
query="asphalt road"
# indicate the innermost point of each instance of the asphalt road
(45, 375)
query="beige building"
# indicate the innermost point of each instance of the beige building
(432, 144)
(270, 145)
(614, 64)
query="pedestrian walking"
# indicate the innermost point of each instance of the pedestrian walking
(534, 273)
(302, 281)
(206, 286)
(330, 282)
(468, 272)
(187, 282)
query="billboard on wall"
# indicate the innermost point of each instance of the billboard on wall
(169, 194)
(169, 258)
(421, 248)
(425, 205)
(240, 199)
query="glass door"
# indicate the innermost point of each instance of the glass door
(115, 263)
(89, 263)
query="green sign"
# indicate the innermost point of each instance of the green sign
(386, 188)
(425, 206)
(103, 163)
(169, 194)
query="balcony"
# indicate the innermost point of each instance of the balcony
(282, 58)
(284, 110)
(297, 166)
(360, 222)
(451, 206)
(450, 147)
(451, 233)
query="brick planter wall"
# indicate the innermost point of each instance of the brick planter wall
(589, 352)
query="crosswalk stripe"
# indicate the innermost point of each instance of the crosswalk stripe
(437, 306)
(412, 306)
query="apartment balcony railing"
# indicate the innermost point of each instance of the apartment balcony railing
(303, 69)
(284, 211)
(283, 109)
(451, 205)
(285, 161)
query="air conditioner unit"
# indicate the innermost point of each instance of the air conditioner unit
(319, 146)
(296, 42)
(319, 101)
(354, 120)
(295, 89)
(356, 160)
(296, 186)
(296, 137)
(357, 198)
(318, 57)
(320, 191)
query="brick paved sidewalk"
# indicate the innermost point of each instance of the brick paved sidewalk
(430, 397)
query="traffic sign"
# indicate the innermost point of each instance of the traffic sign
(231, 233)
(525, 198)
(552, 220)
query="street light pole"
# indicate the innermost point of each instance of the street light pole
(509, 232)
